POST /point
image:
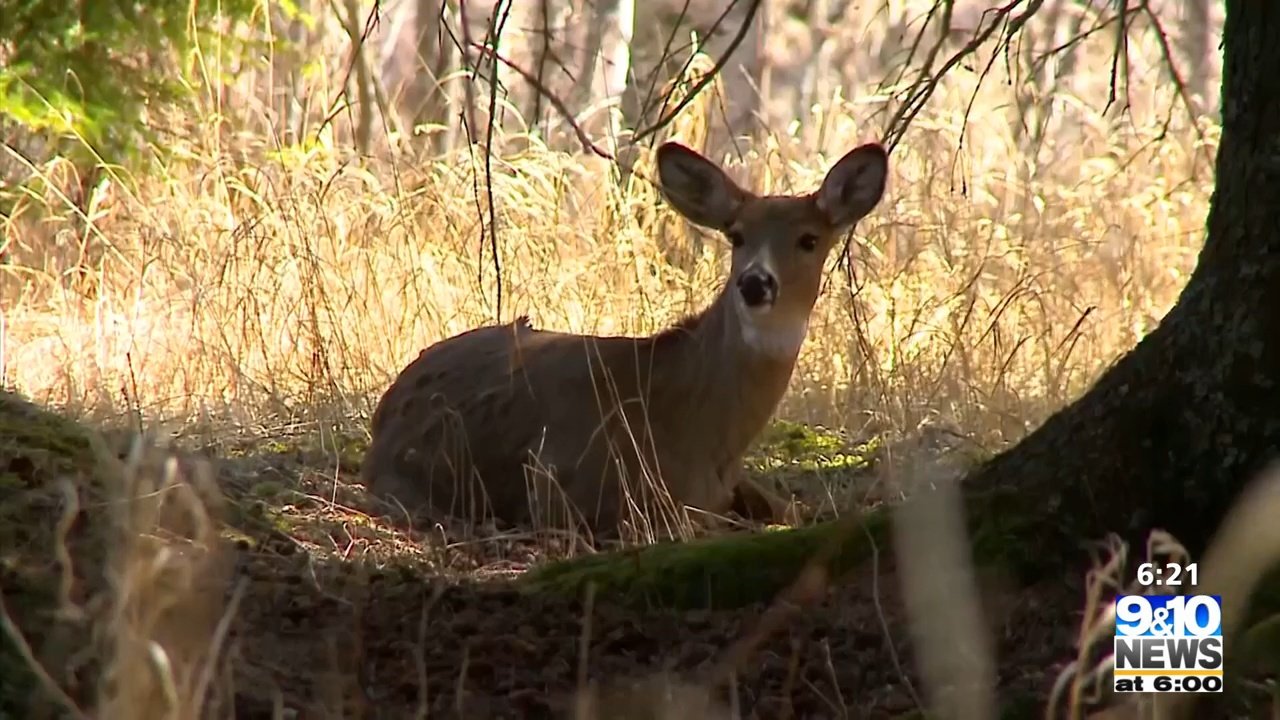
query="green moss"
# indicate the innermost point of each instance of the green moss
(1021, 705)
(721, 572)
(265, 514)
(26, 601)
(1259, 648)
(35, 443)
(351, 450)
(740, 569)
(239, 537)
(308, 448)
(789, 445)
(11, 482)
(275, 446)
(267, 489)
(1002, 532)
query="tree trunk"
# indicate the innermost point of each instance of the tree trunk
(618, 67)
(294, 43)
(415, 54)
(1170, 434)
(435, 55)
(363, 130)
(539, 52)
(738, 116)
(1197, 49)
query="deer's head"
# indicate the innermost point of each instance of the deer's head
(780, 242)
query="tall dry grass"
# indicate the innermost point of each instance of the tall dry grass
(266, 285)
(248, 282)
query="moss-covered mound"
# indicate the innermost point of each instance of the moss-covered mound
(48, 472)
(716, 572)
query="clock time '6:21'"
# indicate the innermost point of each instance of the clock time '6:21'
(1168, 574)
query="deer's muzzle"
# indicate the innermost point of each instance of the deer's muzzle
(758, 288)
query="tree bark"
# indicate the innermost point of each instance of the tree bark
(1172, 432)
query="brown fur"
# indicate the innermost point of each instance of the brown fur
(485, 421)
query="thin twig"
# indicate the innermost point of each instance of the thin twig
(1179, 84)
(1121, 51)
(495, 34)
(924, 86)
(218, 640)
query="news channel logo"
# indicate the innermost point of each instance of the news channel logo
(1168, 643)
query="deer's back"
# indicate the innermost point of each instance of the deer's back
(475, 418)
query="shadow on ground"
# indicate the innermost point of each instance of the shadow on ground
(340, 613)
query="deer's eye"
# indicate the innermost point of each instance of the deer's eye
(808, 242)
(735, 238)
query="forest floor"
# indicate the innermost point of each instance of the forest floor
(439, 624)
(337, 612)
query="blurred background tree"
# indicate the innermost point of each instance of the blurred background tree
(91, 72)
(429, 73)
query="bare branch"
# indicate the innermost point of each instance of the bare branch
(705, 80)
(555, 101)
(357, 53)
(1179, 84)
(667, 52)
(1121, 51)
(947, 7)
(925, 84)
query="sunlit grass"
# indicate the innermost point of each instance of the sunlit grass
(270, 284)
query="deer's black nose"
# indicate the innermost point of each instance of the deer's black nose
(757, 288)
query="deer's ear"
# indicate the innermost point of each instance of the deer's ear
(854, 185)
(696, 188)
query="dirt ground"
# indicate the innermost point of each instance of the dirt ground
(346, 615)
(338, 613)
(483, 650)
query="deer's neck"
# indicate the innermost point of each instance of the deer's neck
(724, 373)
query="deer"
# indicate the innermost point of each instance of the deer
(509, 421)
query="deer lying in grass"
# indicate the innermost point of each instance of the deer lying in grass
(512, 420)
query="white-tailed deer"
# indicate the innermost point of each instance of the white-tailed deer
(510, 420)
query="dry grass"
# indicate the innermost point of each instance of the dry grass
(167, 610)
(262, 287)
(146, 630)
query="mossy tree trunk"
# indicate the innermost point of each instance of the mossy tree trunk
(1173, 431)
